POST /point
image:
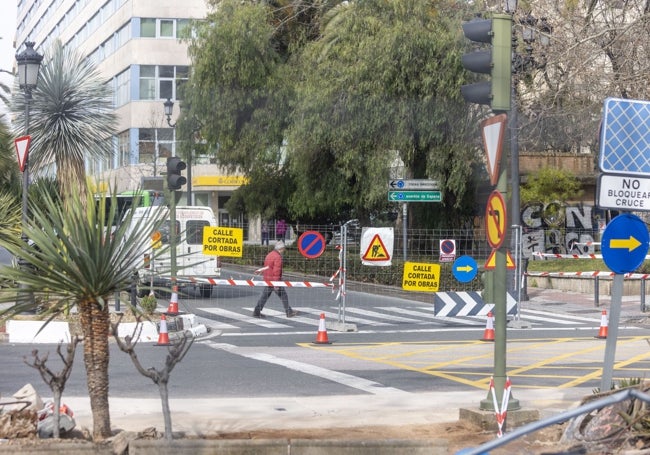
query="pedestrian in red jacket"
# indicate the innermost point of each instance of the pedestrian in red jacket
(272, 271)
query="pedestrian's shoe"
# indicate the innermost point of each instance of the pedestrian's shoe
(257, 314)
(291, 313)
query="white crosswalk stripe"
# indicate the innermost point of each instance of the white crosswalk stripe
(332, 316)
(529, 313)
(377, 317)
(248, 318)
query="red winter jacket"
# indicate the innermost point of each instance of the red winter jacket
(273, 261)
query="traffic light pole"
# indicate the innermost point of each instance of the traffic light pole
(172, 237)
(174, 182)
(496, 93)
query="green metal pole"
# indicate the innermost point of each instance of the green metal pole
(172, 237)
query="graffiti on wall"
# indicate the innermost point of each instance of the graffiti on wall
(561, 229)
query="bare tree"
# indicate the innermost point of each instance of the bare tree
(56, 381)
(596, 50)
(160, 377)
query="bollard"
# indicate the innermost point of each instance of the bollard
(596, 281)
(642, 295)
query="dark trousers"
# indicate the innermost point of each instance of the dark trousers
(266, 293)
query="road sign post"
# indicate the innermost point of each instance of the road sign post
(624, 246)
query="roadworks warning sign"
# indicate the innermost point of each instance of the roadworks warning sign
(377, 246)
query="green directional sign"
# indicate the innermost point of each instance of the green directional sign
(414, 196)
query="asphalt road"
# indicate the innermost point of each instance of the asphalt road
(398, 345)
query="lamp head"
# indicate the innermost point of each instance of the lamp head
(29, 64)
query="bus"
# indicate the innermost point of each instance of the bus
(130, 199)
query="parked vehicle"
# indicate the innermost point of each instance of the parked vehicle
(154, 269)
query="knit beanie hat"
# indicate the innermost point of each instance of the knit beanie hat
(279, 245)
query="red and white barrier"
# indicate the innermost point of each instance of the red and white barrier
(501, 412)
(570, 256)
(590, 274)
(539, 254)
(256, 283)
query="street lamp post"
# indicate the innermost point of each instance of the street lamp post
(28, 63)
(169, 109)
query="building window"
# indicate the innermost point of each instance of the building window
(147, 28)
(162, 82)
(148, 82)
(162, 28)
(166, 28)
(122, 85)
(155, 144)
(123, 147)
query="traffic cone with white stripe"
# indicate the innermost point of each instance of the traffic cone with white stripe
(321, 336)
(488, 333)
(163, 335)
(602, 332)
(172, 309)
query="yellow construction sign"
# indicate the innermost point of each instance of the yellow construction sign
(222, 241)
(420, 276)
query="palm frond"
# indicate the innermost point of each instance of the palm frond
(74, 256)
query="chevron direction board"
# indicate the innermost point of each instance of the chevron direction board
(447, 304)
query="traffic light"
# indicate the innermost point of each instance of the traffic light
(496, 61)
(174, 178)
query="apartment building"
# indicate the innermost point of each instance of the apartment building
(135, 45)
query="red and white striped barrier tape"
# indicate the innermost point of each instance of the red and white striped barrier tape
(587, 274)
(254, 283)
(567, 256)
(501, 413)
(570, 256)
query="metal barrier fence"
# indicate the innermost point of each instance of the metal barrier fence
(418, 245)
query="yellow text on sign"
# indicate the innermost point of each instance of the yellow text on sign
(223, 241)
(420, 276)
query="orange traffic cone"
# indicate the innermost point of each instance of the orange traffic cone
(172, 309)
(488, 333)
(163, 335)
(602, 333)
(321, 337)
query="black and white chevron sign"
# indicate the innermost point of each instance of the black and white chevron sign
(448, 304)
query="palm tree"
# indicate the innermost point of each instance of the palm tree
(9, 178)
(79, 262)
(71, 118)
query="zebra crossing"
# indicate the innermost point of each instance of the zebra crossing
(388, 317)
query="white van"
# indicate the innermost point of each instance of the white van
(190, 260)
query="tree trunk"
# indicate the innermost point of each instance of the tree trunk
(95, 324)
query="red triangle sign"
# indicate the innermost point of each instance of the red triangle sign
(492, 130)
(22, 150)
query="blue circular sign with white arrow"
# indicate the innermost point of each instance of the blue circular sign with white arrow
(625, 243)
(464, 269)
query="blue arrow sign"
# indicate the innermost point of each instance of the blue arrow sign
(625, 243)
(464, 269)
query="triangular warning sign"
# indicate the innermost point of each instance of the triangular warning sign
(493, 130)
(376, 250)
(22, 150)
(491, 262)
